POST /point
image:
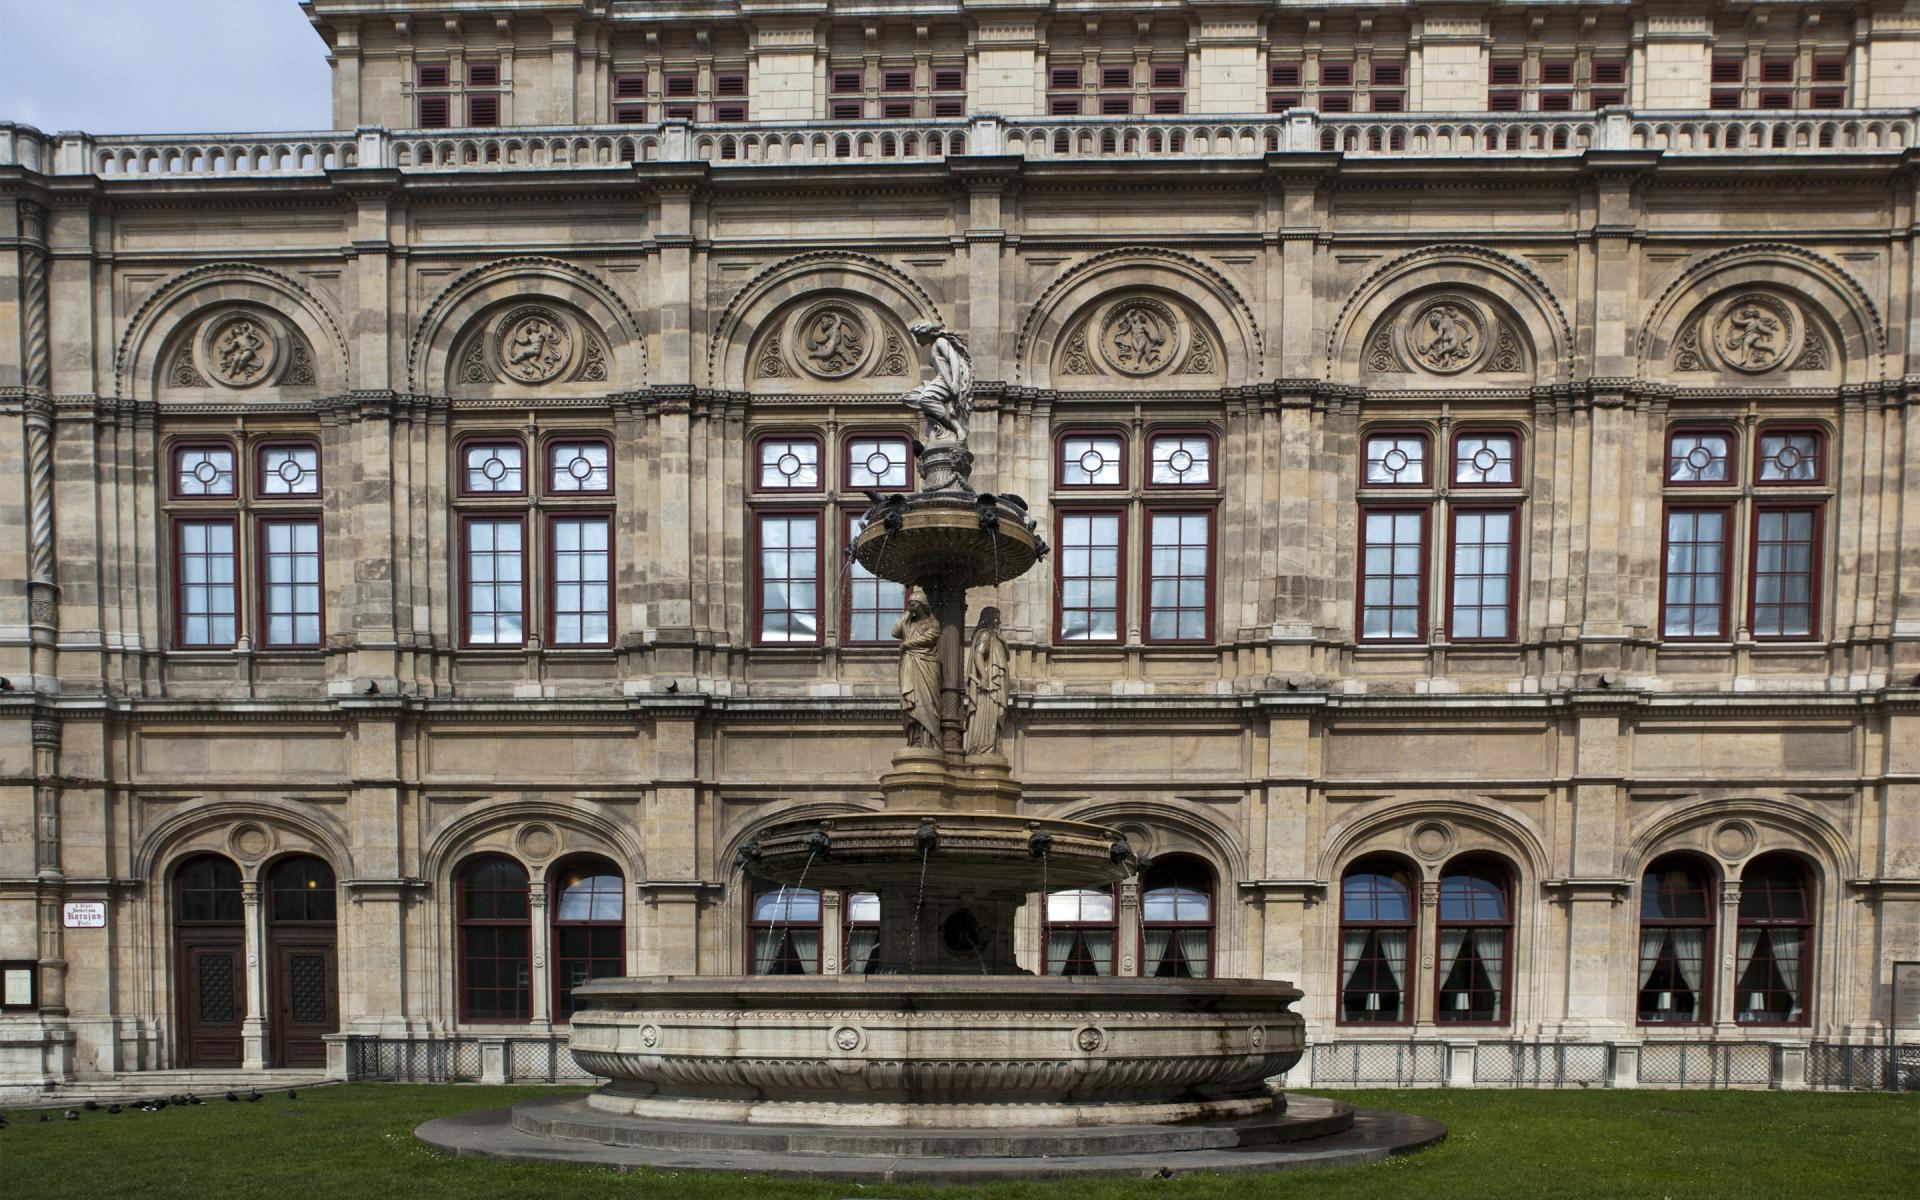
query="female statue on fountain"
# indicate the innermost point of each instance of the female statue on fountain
(918, 633)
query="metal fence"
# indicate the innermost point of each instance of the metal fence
(1661, 1064)
(1863, 1068)
(1707, 1064)
(1377, 1064)
(1541, 1064)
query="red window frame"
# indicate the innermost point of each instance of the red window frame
(1556, 72)
(1733, 457)
(1830, 69)
(595, 866)
(1213, 459)
(1196, 868)
(1386, 102)
(1484, 431)
(1819, 436)
(434, 75)
(1504, 101)
(882, 630)
(1060, 515)
(1778, 69)
(1336, 74)
(1708, 965)
(467, 923)
(546, 467)
(1283, 74)
(1384, 73)
(1336, 102)
(1060, 462)
(846, 81)
(551, 592)
(483, 74)
(1168, 76)
(1726, 510)
(846, 110)
(1080, 928)
(514, 516)
(528, 465)
(1509, 72)
(1063, 106)
(1804, 924)
(1409, 878)
(850, 436)
(759, 609)
(259, 471)
(177, 449)
(1063, 79)
(436, 110)
(949, 79)
(1419, 636)
(1815, 571)
(817, 925)
(819, 484)
(1425, 438)
(1512, 512)
(1148, 576)
(680, 85)
(1729, 70)
(896, 79)
(849, 926)
(264, 592)
(630, 87)
(1725, 98)
(483, 110)
(1609, 71)
(232, 521)
(730, 83)
(1494, 870)
(1116, 79)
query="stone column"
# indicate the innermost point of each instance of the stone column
(540, 953)
(43, 593)
(1727, 942)
(1126, 930)
(48, 869)
(253, 1027)
(832, 922)
(1424, 971)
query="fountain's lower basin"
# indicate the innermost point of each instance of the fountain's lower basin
(942, 1051)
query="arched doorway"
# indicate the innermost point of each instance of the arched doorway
(302, 963)
(210, 947)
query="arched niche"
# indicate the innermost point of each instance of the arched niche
(1451, 316)
(1764, 315)
(231, 332)
(824, 321)
(521, 324)
(1139, 318)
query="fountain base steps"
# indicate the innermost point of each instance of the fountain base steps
(1311, 1132)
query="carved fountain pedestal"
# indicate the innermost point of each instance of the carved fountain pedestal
(948, 1060)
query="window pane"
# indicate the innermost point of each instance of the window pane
(579, 467)
(292, 554)
(789, 464)
(1783, 583)
(1484, 458)
(873, 604)
(1181, 459)
(495, 467)
(1090, 579)
(1789, 457)
(495, 603)
(1393, 575)
(1482, 580)
(1694, 560)
(1177, 582)
(789, 574)
(580, 581)
(289, 471)
(1397, 459)
(877, 463)
(208, 596)
(1090, 461)
(1699, 458)
(204, 471)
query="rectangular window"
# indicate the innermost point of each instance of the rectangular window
(1790, 457)
(873, 604)
(949, 79)
(496, 574)
(1776, 70)
(1336, 102)
(789, 550)
(729, 112)
(1285, 75)
(1556, 102)
(483, 110)
(1116, 106)
(1480, 581)
(493, 469)
(435, 112)
(1169, 77)
(579, 467)
(1179, 574)
(1697, 456)
(897, 80)
(1779, 98)
(1729, 70)
(1336, 74)
(1063, 106)
(1282, 101)
(1557, 72)
(880, 463)
(1112, 78)
(730, 83)
(955, 107)
(1089, 576)
(848, 81)
(208, 595)
(1503, 101)
(1611, 97)
(1063, 79)
(679, 112)
(17, 980)
(1610, 71)
(1829, 70)
(1694, 573)
(1396, 460)
(789, 464)
(1386, 74)
(896, 110)
(1785, 582)
(433, 75)
(1393, 574)
(1485, 459)
(483, 74)
(1180, 460)
(630, 114)
(1387, 102)
(846, 110)
(685, 83)
(630, 87)
(1505, 72)
(1724, 98)
(1827, 98)
(289, 471)
(290, 581)
(203, 472)
(1092, 460)
(580, 599)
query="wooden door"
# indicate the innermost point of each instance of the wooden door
(306, 1000)
(213, 997)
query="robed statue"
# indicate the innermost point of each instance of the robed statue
(986, 685)
(918, 633)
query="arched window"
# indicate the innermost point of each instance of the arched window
(1176, 920)
(1080, 932)
(1476, 942)
(496, 935)
(300, 891)
(1776, 941)
(860, 936)
(589, 927)
(208, 891)
(1676, 944)
(1376, 933)
(785, 928)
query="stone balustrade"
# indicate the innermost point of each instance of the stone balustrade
(725, 145)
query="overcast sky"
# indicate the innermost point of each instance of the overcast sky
(162, 66)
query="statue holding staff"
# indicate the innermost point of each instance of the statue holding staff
(918, 632)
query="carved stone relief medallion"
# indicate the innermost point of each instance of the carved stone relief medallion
(1140, 336)
(239, 350)
(1755, 332)
(832, 340)
(1446, 336)
(534, 345)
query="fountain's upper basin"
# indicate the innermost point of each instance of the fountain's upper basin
(943, 536)
(870, 851)
(927, 1051)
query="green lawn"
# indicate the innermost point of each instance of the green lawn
(358, 1141)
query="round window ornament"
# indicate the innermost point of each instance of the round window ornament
(1699, 458)
(579, 466)
(1091, 461)
(1485, 460)
(847, 1038)
(495, 468)
(1181, 461)
(1089, 1038)
(649, 1036)
(788, 464)
(1395, 460)
(1787, 457)
(1734, 840)
(206, 473)
(290, 472)
(249, 842)
(878, 464)
(537, 842)
(1432, 840)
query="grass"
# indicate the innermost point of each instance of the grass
(358, 1141)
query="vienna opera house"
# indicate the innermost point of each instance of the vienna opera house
(1478, 444)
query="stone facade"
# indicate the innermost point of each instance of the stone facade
(1301, 296)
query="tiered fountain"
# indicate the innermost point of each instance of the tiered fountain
(946, 1060)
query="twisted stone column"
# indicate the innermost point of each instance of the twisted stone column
(38, 377)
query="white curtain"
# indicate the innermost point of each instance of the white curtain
(1352, 943)
(1452, 943)
(766, 948)
(1491, 947)
(1788, 945)
(1100, 950)
(1393, 948)
(1193, 948)
(1650, 942)
(861, 945)
(1157, 940)
(806, 947)
(1743, 958)
(1688, 947)
(1059, 950)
